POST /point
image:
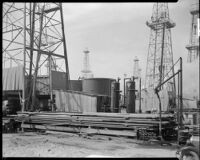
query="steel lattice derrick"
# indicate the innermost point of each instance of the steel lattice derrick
(193, 46)
(160, 54)
(160, 41)
(33, 36)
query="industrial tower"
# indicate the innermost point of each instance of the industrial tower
(34, 37)
(137, 76)
(160, 46)
(136, 69)
(160, 55)
(193, 46)
(86, 72)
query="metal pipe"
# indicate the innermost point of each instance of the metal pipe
(155, 48)
(50, 84)
(140, 110)
(65, 50)
(162, 53)
(24, 69)
(159, 85)
(198, 105)
(37, 61)
(160, 115)
(124, 91)
(181, 93)
(160, 109)
(174, 80)
(32, 31)
(178, 106)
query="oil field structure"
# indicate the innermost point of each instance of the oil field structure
(38, 93)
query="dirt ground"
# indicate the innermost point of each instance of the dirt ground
(56, 144)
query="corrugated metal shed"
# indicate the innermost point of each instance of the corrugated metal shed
(70, 101)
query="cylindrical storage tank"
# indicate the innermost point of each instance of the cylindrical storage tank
(76, 85)
(115, 97)
(130, 97)
(99, 86)
(195, 119)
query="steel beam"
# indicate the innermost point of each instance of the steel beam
(46, 52)
(24, 69)
(37, 62)
(65, 50)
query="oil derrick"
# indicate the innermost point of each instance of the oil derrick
(86, 72)
(136, 69)
(160, 55)
(193, 46)
(33, 35)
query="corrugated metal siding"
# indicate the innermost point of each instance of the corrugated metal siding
(68, 101)
(13, 78)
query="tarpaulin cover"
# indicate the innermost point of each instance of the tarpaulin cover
(13, 78)
(69, 101)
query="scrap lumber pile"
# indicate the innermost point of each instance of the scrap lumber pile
(118, 124)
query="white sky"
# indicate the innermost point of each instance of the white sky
(116, 32)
